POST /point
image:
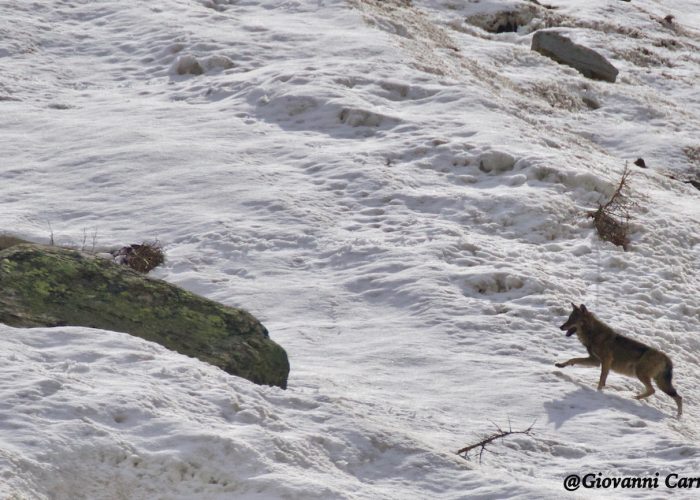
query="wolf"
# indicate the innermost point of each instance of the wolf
(610, 350)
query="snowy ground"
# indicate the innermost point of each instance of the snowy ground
(323, 172)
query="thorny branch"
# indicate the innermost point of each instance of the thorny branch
(499, 434)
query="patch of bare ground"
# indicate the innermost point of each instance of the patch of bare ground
(432, 48)
(693, 154)
(523, 18)
(641, 56)
(428, 44)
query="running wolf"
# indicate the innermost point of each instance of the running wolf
(610, 350)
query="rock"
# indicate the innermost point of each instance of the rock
(496, 162)
(640, 163)
(586, 61)
(187, 65)
(54, 286)
(694, 183)
(7, 241)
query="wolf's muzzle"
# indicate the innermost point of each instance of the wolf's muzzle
(569, 331)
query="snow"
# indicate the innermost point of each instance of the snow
(399, 196)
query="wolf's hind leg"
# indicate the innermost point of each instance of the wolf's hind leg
(646, 380)
(664, 381)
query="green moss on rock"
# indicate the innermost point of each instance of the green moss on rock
(7, 241)
(53, 286)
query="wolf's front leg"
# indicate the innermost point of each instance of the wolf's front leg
(604, 370)
(589, 361)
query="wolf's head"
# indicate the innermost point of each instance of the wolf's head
(576, 318)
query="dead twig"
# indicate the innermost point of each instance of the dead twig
(94, 241)
(51, 240)
(499, 434)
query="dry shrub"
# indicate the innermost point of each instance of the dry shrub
(142, 258)
(612, 219)
(611, 229)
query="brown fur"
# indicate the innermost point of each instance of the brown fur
(612, 351)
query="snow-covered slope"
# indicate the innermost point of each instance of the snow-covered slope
(399, 195)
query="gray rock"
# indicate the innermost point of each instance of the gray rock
(496, 162)
(54, 286)
(586, 61)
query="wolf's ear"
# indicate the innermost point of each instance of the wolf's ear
(574, 306)
(583, 309)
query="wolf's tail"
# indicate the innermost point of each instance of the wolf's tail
(665, 382)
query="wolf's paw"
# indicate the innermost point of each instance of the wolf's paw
(560, 365)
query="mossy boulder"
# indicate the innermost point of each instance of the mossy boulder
(7, 241)
(54, 286)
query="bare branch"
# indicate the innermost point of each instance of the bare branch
(94, 241)
(619, 198)
(499, 434)
(51, 239)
